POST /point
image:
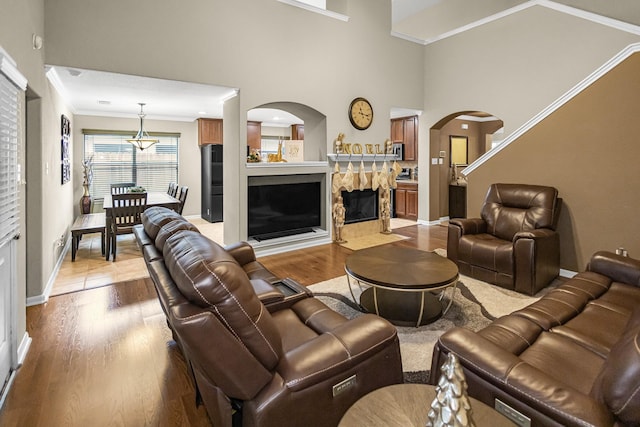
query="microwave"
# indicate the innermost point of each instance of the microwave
(398, 150)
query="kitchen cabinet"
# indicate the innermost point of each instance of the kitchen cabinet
(406, 200)
(209, 131)
(254, 136)
(297, 132)
(405, 130)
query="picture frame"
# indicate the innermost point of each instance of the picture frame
(65, 162)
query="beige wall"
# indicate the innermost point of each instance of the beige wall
(512, 68)
(587, 150)
(220, 42)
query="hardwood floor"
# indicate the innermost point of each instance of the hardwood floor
(105, 357)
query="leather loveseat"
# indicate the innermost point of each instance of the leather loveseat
(263, 351)
(571, 358)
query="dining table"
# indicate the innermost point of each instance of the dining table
(158, 198)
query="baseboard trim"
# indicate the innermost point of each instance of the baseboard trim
(567, 273)
(44, 296)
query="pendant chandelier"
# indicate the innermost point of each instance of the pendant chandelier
(142, 140)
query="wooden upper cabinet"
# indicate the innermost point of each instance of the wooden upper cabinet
(209, 131)
(397, 130)
(405, 130)
(410, 138)
(254, 135)
(297, 131)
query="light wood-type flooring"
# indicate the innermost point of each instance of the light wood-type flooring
(103, 356)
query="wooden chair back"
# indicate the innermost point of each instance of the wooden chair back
(127, 209)
(122, 187)
(183, 197)
(173, 189)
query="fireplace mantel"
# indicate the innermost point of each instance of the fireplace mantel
(364, 157)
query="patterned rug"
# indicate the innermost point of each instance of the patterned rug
(475, 305)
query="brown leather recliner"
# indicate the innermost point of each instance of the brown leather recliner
(514, 244)
(286, 361)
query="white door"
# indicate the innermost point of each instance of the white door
(6, 283)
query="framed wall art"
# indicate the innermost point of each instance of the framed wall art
(65, 126)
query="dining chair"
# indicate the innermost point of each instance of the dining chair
(125, 214)
(182, 197)
(122, 187)
(173, 187)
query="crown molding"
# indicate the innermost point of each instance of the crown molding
(8, 68)
(604, 69)
(558, 7)
(310, 8)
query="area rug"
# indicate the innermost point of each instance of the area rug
(369, 241)
(475, 305)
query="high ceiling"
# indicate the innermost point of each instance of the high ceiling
(423, 21)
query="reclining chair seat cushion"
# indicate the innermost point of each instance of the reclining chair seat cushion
(487, 251)
(209, 277)
(155, 217)
(565, 360)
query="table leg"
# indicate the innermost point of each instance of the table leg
(107, 250)
(74, 247)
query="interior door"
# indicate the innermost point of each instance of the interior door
(5, 316)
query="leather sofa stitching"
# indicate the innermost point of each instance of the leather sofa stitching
(346, 350)
(544, 313)
(298, 380)
(306, 322)
(516, 333)
(255, 326)
(564, 303)
(506, 382)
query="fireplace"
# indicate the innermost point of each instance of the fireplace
(360, 205)
(285, 205)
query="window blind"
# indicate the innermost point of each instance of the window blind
(115, 161)
(9, 148)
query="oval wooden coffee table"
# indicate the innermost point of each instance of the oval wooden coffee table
(400, 283)
(407, 405)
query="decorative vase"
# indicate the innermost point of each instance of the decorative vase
(85, 200)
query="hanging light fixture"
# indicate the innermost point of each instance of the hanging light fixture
(142, 140)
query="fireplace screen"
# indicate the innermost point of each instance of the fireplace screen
(360, 205)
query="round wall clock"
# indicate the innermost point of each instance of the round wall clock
(360, 113)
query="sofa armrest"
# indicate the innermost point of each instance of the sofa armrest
(469, 225)
(617, 267)
(493, 367)
(337, 351)
(267, 293)
(537, 234)
(242, 252)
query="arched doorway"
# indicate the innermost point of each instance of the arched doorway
(468, 135)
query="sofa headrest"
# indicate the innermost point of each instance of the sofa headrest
(170, 228)
(510, 208)
(619, 379)
(209, 277)
(155, 217)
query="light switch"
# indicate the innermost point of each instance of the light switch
(434, 161)
(441, 161)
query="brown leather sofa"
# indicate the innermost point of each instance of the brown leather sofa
(514, 244)
(571, 358)
(263, 351)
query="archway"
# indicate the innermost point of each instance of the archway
(475, 131)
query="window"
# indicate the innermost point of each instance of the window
(9, 147)
(116, 160)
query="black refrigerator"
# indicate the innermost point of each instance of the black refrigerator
(211, 157)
